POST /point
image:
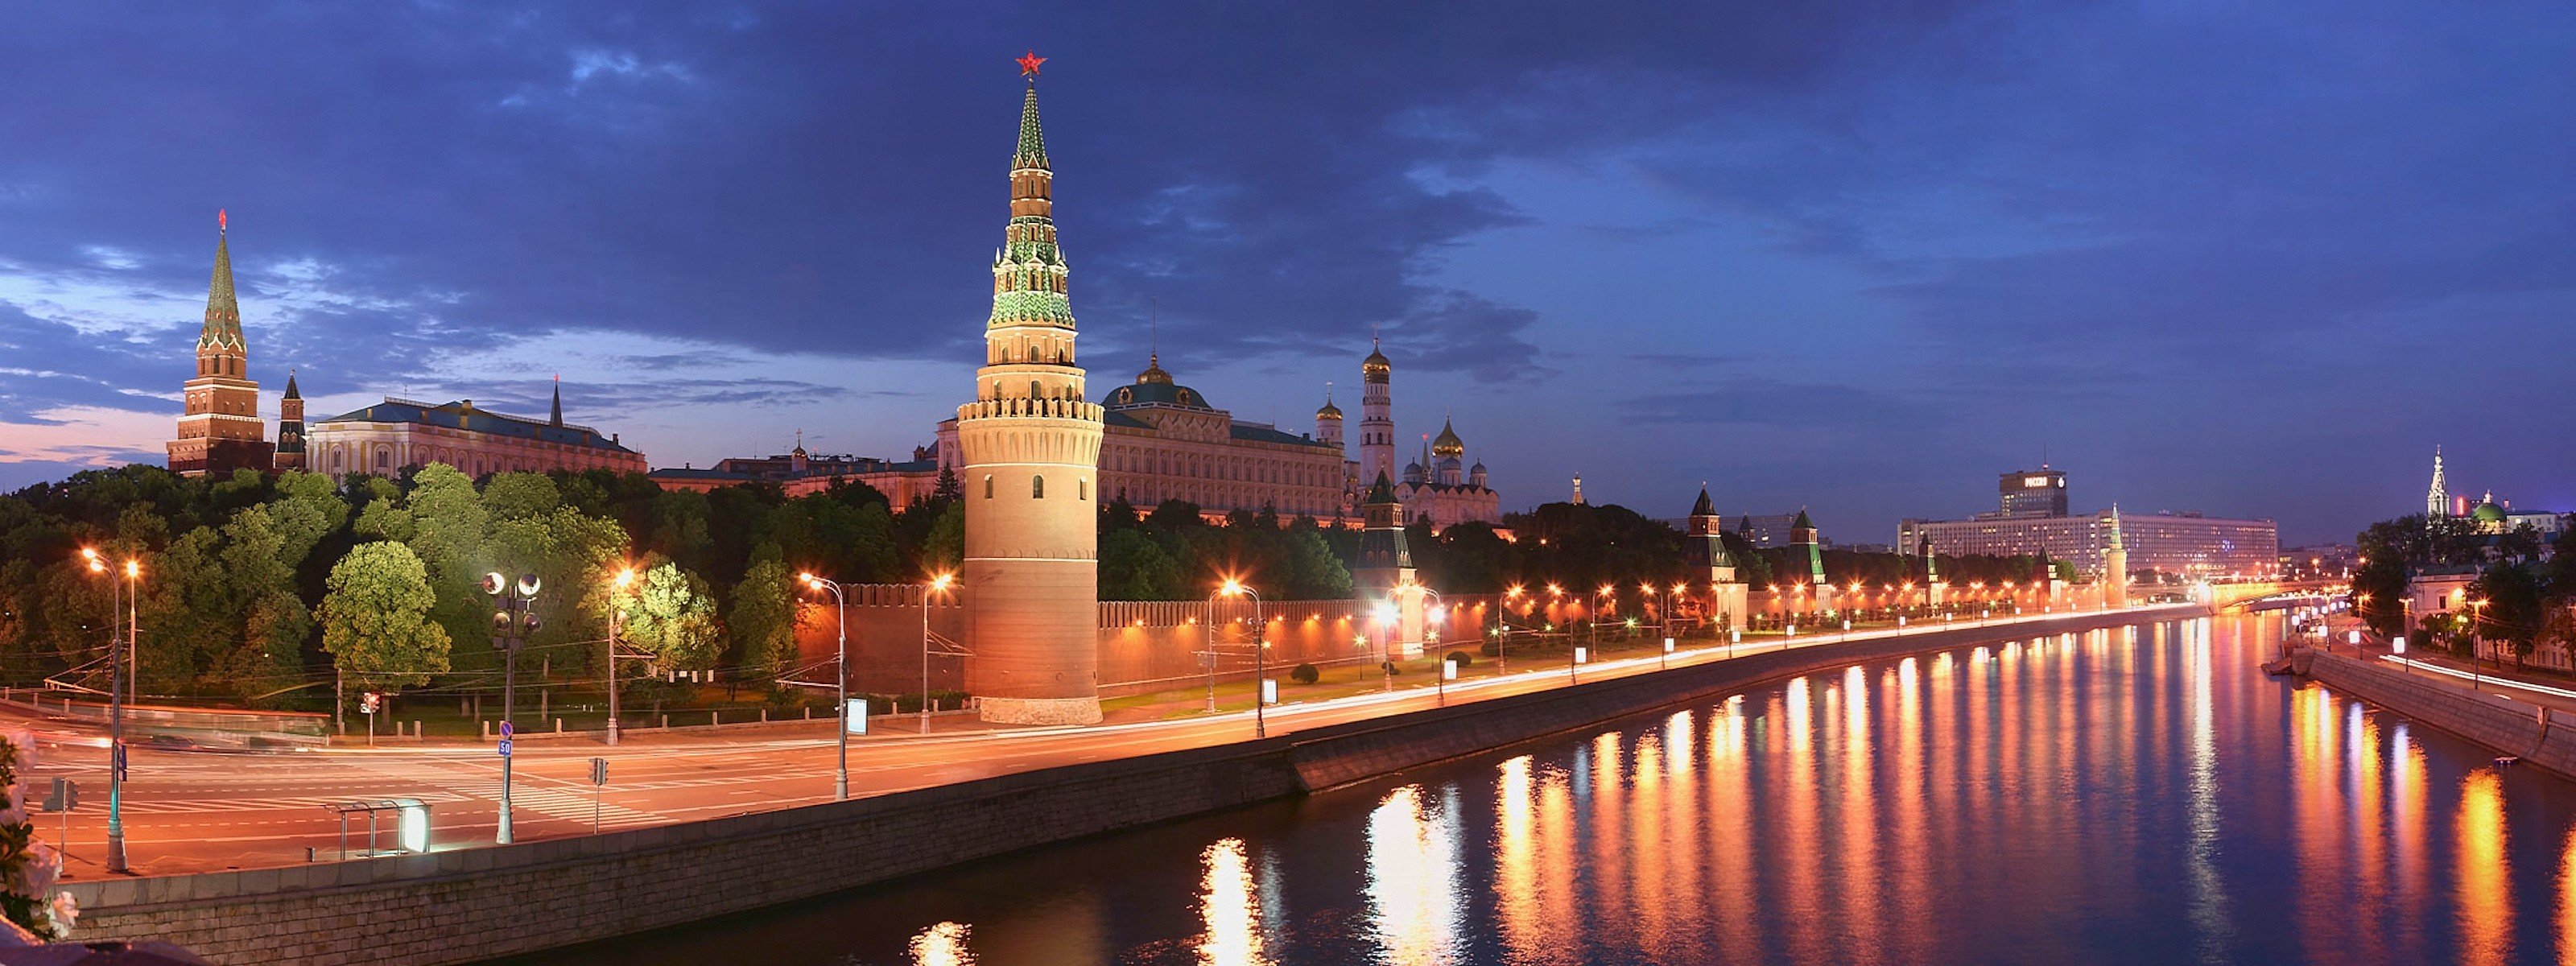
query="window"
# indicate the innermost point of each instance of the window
(1037, 487)
(1082, 489)
(988, 486)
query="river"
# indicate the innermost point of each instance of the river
(2137, 795)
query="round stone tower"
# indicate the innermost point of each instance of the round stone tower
(1031, 447)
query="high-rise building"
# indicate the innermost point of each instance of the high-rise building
(220, 430)
(1030, 445)
(2032, 493)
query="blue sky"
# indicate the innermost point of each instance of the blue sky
(1861, 257)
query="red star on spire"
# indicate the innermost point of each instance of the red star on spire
(1029, 63)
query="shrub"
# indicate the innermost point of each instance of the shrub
(1306, 674)
(1462, 658)
(1390, 668)
(1491, 648)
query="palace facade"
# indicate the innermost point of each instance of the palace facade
(384, 438)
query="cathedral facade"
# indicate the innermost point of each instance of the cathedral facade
(1434, 488)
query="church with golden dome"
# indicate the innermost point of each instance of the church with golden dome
(1435, 488)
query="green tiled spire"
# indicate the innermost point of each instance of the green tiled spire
(223, 313)
(1029, 271)
(1032, 152)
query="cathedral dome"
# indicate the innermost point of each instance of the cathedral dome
(2487, 513)
(1376, 367)
(1329, 411)
(1447, 443)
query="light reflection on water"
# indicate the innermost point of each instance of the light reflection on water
(2136, 795)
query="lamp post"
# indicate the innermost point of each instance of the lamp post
(624, 577)
(2475, 638)
(1260, 653)
(116, 701)
(841, 675)
(938, 584)
(514, 619)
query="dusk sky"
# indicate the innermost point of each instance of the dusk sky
(2246, 259)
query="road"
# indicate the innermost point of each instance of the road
(208, 811)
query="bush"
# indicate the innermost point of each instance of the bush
(1491, 648)
(1462, 658)
(1306, 674)
(1390, 668)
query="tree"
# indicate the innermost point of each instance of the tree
(2515, 612)
(1134, 567)
(375, 618)
(944, 550)
(763, 620)
(674, 616)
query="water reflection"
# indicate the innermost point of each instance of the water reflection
(1230, 907)
(943, 944)
(1414, 902)
(2139, 796)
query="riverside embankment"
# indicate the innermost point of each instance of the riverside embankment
(477, 903)
(2540, 736)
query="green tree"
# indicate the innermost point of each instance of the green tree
(672, 614)
(2515, 612)
(375, 618)
(1134, 567)
(944, 550)
(763, 620)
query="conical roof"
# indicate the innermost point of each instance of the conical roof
(1032, 148)
(291, 391)
(223, 312)
(1705, 507)
(1382, 491)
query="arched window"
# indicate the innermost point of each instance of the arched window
(988, 486)
(1037, 487)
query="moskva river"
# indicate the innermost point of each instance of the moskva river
(2142, 795)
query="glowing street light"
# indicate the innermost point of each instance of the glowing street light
(938, 584)
(841, 677)
(616, 586)
(1260, 654)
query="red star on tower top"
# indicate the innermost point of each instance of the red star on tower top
(1029, 64)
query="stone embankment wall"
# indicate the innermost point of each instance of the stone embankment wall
(2540, 736)
(470, 904)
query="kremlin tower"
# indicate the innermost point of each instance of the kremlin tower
(1030, 444)
(290, 427)
(220, 430)
(1377, 418)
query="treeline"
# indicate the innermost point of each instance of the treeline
(2525, 588)
(257, 587)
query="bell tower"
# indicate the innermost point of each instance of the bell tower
(220, 431)
(1031, 448)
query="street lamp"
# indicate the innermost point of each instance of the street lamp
(624, 577)
(512, 622)
(841, 674)
(1386, 623)
(938, 585)
(1260, 653)
(116, 700)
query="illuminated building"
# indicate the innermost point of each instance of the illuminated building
(220, 430)
(384, 438)
(1029, 446)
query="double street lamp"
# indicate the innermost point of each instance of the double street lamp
(514, 619)
(117, 662)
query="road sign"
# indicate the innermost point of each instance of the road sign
(505, 747)
(116, 761)
(599, 771)
(506, 730)
(64, 797)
